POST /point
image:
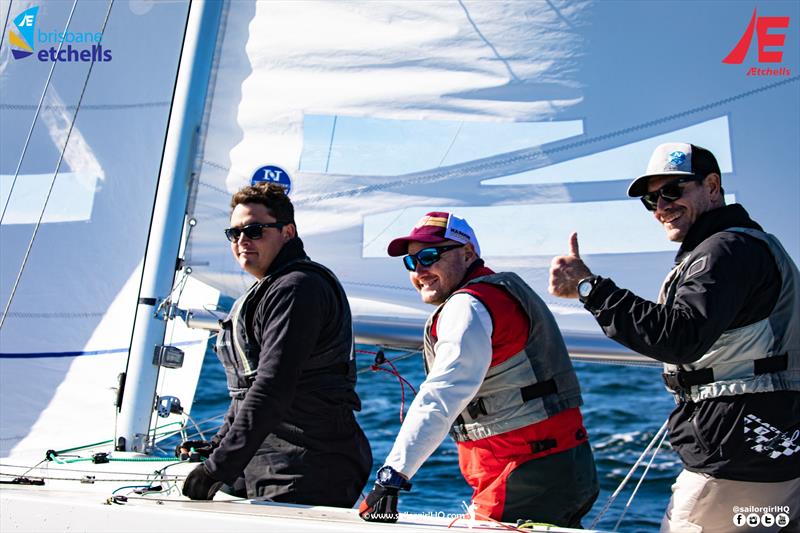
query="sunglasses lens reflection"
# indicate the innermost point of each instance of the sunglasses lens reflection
(428, 256)
(669, 192)
(253, 231)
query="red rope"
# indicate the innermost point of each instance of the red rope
(379, 360)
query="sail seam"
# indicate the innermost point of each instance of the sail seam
(86, 107)
(539, 154)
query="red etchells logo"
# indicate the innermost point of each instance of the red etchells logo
(761, 26)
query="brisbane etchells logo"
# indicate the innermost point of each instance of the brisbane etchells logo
(769, 41)
(22, 40)
(68, 46)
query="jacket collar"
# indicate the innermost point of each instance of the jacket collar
(714, 221)
(292, 251)
(475, 270)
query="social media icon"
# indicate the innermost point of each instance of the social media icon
(753, 520)
(738, 519)
(767, 520)
(782, 520)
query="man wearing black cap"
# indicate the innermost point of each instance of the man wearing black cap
(727, 328)
(498, 379)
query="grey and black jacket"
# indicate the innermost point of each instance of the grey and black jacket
(726, 327)
(287, 350)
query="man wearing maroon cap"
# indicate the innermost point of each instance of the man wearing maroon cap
(499, 379)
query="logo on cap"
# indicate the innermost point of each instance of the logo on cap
(428, 220)
(676, 159)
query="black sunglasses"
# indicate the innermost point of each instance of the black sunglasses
(427, 256)
(251, 231)
(669, 192)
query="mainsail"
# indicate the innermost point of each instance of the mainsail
(527, 118)
(71, 262)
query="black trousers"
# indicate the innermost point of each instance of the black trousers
(327, 465)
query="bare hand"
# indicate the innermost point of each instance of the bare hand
(567, 270)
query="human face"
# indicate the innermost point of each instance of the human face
(438, 281)
(679, 215)
(256, 255)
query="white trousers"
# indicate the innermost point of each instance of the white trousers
(701, 503)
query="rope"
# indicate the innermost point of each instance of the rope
(380, 359)
(55, 174)
(613, 497)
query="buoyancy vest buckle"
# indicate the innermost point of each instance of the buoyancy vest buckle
(539, 446)
(476, 408)
(681, 381)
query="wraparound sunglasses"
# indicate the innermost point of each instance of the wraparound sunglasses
(427, 256)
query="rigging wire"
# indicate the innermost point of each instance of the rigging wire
(644, 474)
(658, 435)
(447, 152)
(5, 23)
(330, 145)
(36, 117)
(55, 174)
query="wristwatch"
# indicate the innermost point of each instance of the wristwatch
(389, 477)
(586, 286)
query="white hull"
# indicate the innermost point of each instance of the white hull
(64, 503)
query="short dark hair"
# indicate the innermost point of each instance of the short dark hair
(270, 195)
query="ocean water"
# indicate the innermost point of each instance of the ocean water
(624, 406)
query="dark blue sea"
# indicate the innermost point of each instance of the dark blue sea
(624, 406)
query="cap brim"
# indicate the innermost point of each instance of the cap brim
(638, 187)
(399, 246)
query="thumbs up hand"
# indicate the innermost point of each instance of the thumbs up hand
(567, 270)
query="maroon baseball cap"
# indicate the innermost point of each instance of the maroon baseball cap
(436, 227)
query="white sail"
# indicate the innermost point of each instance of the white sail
(71, 261)
(527, 118)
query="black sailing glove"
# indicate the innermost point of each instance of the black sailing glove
(200, 485)
(380, 505)
(194, 450)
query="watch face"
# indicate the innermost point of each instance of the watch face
(385, 474)
(584, 288)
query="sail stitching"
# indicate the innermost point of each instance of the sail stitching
(87, 107)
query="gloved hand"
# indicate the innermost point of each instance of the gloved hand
(200, 485)
(380, 505)
(202, 449)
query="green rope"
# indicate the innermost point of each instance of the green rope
(116, 460)
(109, 441)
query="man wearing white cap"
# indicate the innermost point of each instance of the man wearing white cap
(727, 328)
(498, 379)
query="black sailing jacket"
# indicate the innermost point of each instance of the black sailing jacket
(293, 437)
(739, 286)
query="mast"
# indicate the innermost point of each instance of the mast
(163, 242)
